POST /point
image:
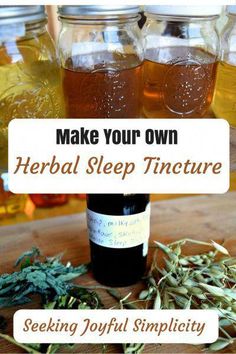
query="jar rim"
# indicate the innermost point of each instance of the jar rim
(175, 18)
(183, 11)
(93, 11)
(99, 20)
(18, 14)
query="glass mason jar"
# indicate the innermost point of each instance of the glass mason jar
(30, 85)
(181, 53)
(224, 102)
(101, 55)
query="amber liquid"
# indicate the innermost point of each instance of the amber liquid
(224, 102)
(178, 82)
(103, 92)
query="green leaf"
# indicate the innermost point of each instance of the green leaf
(214, 290)
(34, 252)
(219, 344)
(38, 279)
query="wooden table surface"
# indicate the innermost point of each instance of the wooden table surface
(198, 217)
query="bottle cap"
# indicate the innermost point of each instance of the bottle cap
(231, 9)
(96, 10)
(16, 14)
(184, 11)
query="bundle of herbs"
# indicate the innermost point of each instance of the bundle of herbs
(52, 280)
(48, 277)
(203, 281)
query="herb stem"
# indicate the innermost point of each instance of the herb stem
(23, 346)
(184, 240)
(116, 296)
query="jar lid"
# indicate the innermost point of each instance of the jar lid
(182, 11)
(16, 14)
(96, 10)
(231, 9)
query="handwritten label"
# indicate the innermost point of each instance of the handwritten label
(119, 231)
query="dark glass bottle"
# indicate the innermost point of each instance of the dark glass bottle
(118, 227)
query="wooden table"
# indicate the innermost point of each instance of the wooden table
(199, 217)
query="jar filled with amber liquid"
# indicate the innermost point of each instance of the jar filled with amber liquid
(101, 57)
(181, 54)
(30, 84)
(224, 102)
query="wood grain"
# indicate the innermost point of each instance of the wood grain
(199, 217)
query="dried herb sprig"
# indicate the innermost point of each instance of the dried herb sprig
(48, 277)
(78, 299)
(128, 348)
(206, 281)
(51, 279)
(122, 301)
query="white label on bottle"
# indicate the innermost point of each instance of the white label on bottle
(119, 231)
